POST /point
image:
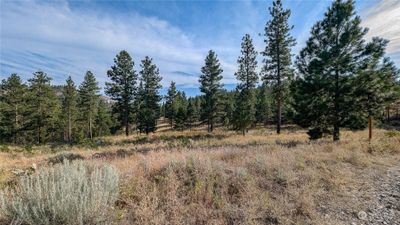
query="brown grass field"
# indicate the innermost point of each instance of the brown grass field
(193, 177)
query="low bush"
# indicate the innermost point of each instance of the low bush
(68, 194)
(60, 158)
(4, 148)
(392, 133)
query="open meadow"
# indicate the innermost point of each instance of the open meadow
(193, 177)
(200, 112)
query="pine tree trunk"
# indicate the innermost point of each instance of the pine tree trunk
(279, 116)
(40, 127)
(16, 124)
(69, 128)
(90, 127)
(39, 134)
(388, 113)
(369, 128)
(279, 94)
(211, 125)
(336, 132)
(126, 123)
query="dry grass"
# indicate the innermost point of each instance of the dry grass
(226, 178)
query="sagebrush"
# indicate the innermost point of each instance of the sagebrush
(70, 194)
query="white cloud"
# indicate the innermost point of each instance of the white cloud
(69, 42)
(383, 20)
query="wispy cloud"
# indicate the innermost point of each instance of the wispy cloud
(383, 20)
(54, 38)
(67, 38)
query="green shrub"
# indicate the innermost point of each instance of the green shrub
(392, 133)
(28, 148)
(67, 194)
(4, 148)
(315, 133)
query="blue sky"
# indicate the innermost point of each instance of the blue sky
(65, 38)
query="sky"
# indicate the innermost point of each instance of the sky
(67, 38)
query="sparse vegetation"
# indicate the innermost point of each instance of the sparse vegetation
(225, 178)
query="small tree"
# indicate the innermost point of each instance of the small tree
(181, 118)
(192, 113)
(263, 104)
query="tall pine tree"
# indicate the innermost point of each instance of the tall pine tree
(148, 96)
(334, 56)
(123, 88)
(170, 103)
(248, 78)
(12, 109)
(69, 109)
(88, 103)
(210, 85)
(277, 63)
(43, 107)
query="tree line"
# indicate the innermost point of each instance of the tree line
(337, 80)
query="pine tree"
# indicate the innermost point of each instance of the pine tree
(192, 113)
(12, 109)
(181, 118)
(43, 107)
(334, 55)
(277, 54)
(69, 108)
(211, 87)
(170, 103)
(375, 86)
(389, 76)
(103, 119)
(226, 107)
(123, 88)
(148, 96)
(88, 103)
(198, 102)
(248, 78)
(367, 85)
(263, 104)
